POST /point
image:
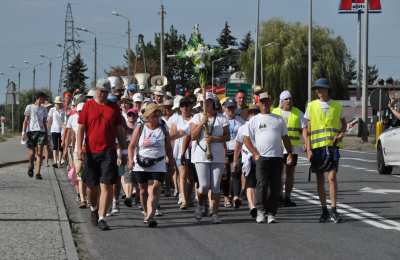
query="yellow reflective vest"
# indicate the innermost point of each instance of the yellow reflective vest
(293, 124)
(324, 126)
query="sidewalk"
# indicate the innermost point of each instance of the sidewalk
(12, 151)
(33, 220)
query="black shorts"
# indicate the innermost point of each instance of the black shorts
(294, 156)
(56, 140)
(100, 168)
(251, 180)
(35, 138)
(144, 177)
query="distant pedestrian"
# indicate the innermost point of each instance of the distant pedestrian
(55, 123)
(34, 132)
(101, 123)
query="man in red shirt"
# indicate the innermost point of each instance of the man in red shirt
(100, 123)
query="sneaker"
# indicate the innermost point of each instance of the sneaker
(102, 225)
(289, 203)
(227, 203)
(94, 216)
(198, 213)
(30, 173)
(176, 193)
(335, 217)
(216, 219)
(55, 165)
(180, 200)
(237, 203)
(83, 205)
(158, 213)
(260, 216)
(38, 177)
(324, 217)
(271, 219)
(253, 212)
(128, 202)
(183, 206)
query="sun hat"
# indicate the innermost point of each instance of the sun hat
(150, 109)
(57, 100)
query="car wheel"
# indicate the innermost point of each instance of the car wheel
(382, 168)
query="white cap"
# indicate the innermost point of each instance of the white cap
(103, 84)
(137, 97)
(159, 91)
(91, 93)
(177, 101)
(284, 95)
(169, 94)
(212, 96)
(197, 91)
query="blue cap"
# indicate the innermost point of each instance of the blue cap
(132, 88)
(230, 103)
(321, 83)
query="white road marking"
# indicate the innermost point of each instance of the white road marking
(364, 216)
(379, 191)
(354, 151)
(304, 162)
(357, 159)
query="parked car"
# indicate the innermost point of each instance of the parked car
(388, 150)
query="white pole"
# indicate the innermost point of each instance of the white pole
(256, 46)
(365, 76)
(310, 52)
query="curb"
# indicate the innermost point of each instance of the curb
(70, 248)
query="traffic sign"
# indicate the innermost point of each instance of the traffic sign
(232, 88)
(356, 6)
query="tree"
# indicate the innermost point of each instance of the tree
(76, 75)
(285, 64)
(226, 39)
(246, 42)
(373, 74)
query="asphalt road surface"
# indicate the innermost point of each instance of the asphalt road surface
(369, 202)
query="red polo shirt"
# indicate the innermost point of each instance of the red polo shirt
(101, 122)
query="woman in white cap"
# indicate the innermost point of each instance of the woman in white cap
(55, 122)
(149, 145)
(209, 170)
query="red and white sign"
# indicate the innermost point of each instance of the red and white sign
(355, 6)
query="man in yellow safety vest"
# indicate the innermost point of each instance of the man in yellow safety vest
(297, 126)
(326, 129)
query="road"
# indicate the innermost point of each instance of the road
(371, 227)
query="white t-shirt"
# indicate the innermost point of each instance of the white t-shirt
(241, 133)
(57, 117)
(266, 131)
(234, 125)
(37, 117)
(217, 149)
(303, 124)
(72, 123)
(151, 145)
(324, 107)
(181, 125)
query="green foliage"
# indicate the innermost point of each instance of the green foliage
(246, 42)
(286, 64)
(226, 38)
(76, 75)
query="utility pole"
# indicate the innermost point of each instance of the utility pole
(364, 99)
(359, 69)
(129, 51)
(256, 46)
(310, 28)
(33, 84)
(162, 13)
(50, 76)
(95, 59)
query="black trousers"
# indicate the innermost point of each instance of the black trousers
(269, 183)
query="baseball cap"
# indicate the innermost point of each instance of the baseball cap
(284, 95)
(264, 95)
(321, 83)
(133, 111)
(91, 93)
(103, 85)
(132, 88)
(230, 102)
(212, 96)
(138, 97)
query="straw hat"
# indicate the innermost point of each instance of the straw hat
(150, 109)
(57, 100)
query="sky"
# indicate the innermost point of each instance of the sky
(32, 27)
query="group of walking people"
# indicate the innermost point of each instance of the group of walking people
(129, 146)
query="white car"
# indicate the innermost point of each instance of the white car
(388, 150)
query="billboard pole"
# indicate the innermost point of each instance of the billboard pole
(359, 62)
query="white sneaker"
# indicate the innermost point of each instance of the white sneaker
(260, 216)
(115, 210)
(216, 219)
(271, 219)
(180, 200)
(158, 213)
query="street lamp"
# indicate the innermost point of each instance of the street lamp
(50, 64)
(212, 72)
(129, 39)
(34, 76)
(270, 44)
(83, 29)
